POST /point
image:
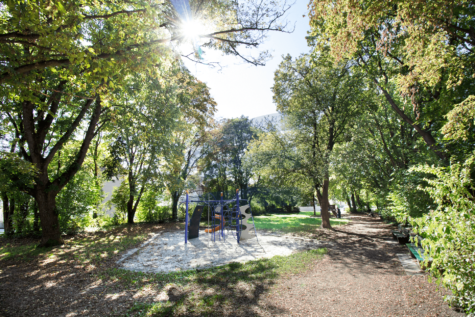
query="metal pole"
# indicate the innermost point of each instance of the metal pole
(186, 219)
(238, 213)
(222, 217)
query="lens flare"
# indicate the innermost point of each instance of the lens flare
(193, 29)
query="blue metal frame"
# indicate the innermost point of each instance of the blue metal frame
(212, 204)
(186, 220)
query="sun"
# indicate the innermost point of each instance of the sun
(193, 29)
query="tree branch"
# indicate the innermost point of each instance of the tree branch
(65, 177)
(70, 131)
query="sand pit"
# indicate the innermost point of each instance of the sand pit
(167, 252)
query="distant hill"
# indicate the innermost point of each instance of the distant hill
(275, 118)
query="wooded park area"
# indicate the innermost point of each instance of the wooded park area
(379, 115)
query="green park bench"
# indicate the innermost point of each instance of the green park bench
(402, 234)
(417, 252)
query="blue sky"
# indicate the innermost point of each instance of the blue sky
(243, 89)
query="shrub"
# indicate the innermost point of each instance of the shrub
(449, 230)
(77, 201)
(119, 198)
(407, 198)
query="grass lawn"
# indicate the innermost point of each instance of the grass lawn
(301, 222)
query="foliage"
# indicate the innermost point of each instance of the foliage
(119, 198)
(178, 169)
(434, 36)
(223, 162)
(406, 197)
(143, 121)
(414, 51)
(15, 173)
(63, 61)
(317, 100)
(78, 201)
(149, 209)
(449, 229)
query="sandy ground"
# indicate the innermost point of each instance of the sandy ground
(168, 252)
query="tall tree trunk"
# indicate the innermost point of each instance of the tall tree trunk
(348, 202)
(8, 209)
(314, 208)
(45, 189)
(36, 216)
(130, 209)
(353, 207)
(358, 201)
(23, 214)
(324, 203)
(49, 218)
(130, 202)
(96, 172)
(175, 198)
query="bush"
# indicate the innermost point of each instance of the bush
(407, 198)
(158, 214)
(449, 230)
(119, 198)
(77, 201)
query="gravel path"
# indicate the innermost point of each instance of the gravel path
(360, 276)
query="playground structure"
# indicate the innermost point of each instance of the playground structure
(227, 217)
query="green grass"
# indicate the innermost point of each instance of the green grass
(301, 222)
(83, 249)
(21, 252)
(222, 280)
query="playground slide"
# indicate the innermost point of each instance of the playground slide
(215, 228)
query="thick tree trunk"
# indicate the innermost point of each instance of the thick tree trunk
(353, 207)
(36, 216)
(324, 204)
(49, 218)
(130, 202)
(175, 198)
(130, 209)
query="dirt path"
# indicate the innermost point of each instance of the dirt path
(360, 276)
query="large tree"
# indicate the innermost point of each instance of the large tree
(422, 51)
(319, 101)
(223, 163)
(61, 60)
(197, 108)
(143, 120)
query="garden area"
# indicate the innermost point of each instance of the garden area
(237, 158)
